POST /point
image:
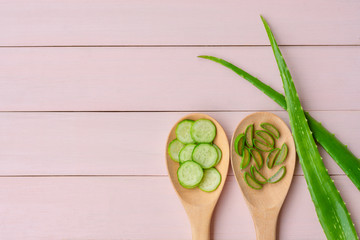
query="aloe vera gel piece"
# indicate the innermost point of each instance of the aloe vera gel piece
(271, 129)
(250, 181)
(258, 177)
(270, 159)
(282, 154)
(249, 133)
(265, 137)
(239, 144)
(245, 160)
(278, 175)
(261, 146)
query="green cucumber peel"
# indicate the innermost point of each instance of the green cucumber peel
(261, 146)
(258, 177)
(239, 142)
(346, 160)
(265, 136)
(250, 181)
(270, 159)
(282, 154)
(278, 175)
(258, 159)
(330, 208)
(249, 134)
(245, 160)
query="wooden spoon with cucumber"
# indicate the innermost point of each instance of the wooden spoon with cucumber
(188, 174)
(264, 188)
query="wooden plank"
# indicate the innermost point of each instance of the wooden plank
(167, 79)
(139, 22)
(108, 143)
(130, 208)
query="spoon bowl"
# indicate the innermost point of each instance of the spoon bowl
(200, 205)
(265, 204)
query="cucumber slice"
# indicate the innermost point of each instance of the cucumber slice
(261, 146)
(245, 160)
(174, 149)
(183, 131)
(271, 129)
(211, 180)
(258, 177)
(270, 159)
(250, 181)
(190, 174)
(265, 136)
(278, 175)
(282, 155)
(203, 131)
(257, 157)
(239, 144)
(205, 154)
(186, 152)
(219, 154)
(249, 133)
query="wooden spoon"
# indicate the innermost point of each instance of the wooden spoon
(265, 204)
(200, 205)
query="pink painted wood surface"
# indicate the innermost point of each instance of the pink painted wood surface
(142, 208)
(46, 22)
(156, 79)
(108, 143)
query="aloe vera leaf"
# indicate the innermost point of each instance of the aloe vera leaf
(282, 155)
(239, 142)
(270, 159)
(257, 157)
(245, 160)
(265, 136)
(258, 177)
(278, 175)
(330, 208)
(261, 146)
(346, 160)
(249, 133)
(271, 129)
(250, 181)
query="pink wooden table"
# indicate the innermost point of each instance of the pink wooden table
(82, 81)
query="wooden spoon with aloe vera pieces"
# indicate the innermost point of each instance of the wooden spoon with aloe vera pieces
(264, 196)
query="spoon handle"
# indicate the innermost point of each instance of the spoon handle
(265, 223)
(200, 220)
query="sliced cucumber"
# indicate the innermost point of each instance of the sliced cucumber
(258, 177)
(190, 174)
(183, 131)
(205, 154)
(186, 152)
(174, 149)
(211, 180)
(257, 158)
(270, 159)
(271, 129)
(250, 181)
(282, 155)
(261, 146)
(219, 154)
(203, 131)
(265, 136)
(239, 144)
(278, 175)
(249, 133)
(245, 160)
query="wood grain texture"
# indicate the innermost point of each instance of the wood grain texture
(142, 208)
(108, 143)
(139, 22)
(168, 79)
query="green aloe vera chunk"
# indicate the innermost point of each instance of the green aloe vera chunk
(257, 157)
(346, 160)
(270, 159)
(249, 132)
(330, 208)
(265, 136)
(258, 177)
(282, 155)
(239, 144)
(245, 160)
(271, 129)
(261, 146)
(278, 175)
(250, 181)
